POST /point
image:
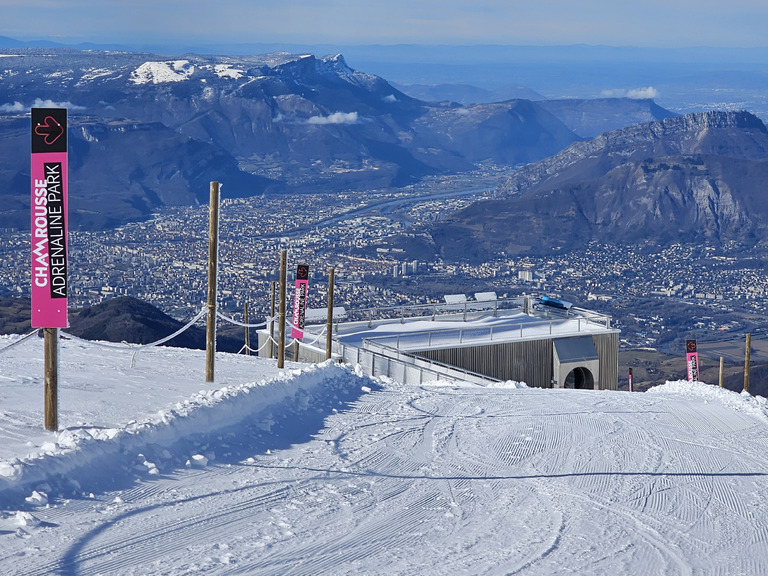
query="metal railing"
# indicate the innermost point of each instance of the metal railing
(465, 309)
(406, 368)
(476, 335)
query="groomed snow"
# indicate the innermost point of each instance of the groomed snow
(322, 470)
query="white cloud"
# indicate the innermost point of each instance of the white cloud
(15, 107)
(634, 93)
(642, 93)
(335, 118)
(38, 103)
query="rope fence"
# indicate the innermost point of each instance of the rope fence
(19, 341)
(203, 311)
(238, 323)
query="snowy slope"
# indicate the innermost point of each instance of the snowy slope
(319, 470)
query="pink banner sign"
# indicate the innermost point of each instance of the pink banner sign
(49, 218)
(692, 360)
(300, 301)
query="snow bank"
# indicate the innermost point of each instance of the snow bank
(79, 455)
(740, 402)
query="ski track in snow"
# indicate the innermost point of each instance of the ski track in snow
(340, 474)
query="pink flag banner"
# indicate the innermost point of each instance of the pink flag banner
(300, 301)
(49, 218)
(692, 360)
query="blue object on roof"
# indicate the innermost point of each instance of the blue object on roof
(555, 303)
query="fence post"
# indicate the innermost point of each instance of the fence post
(51, 336)
(746, 362)
(281, 314)
(247, 331)
(329, 319)
(272, 323)
(721, 371)
(213, 250)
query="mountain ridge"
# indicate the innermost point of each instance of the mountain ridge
(263, 124)
(696, 177)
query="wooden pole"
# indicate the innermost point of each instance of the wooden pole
(213, 249)
(272, 322)
(247, 331)
(746, 362)
(329, 320)
(281, 314)
(722, 365)
(51, 336)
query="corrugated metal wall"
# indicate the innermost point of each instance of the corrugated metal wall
(528, 361)
(607, 346)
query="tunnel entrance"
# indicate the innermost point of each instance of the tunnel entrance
(580, 379)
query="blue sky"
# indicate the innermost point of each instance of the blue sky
(670, 23)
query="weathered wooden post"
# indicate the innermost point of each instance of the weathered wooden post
(272, 323)
(247, 331)
(281, 314)
(329, 319)
(51, 339)
(746, 362)
(213, 250)
(722, 366)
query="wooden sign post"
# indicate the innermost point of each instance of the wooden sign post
(49, 242)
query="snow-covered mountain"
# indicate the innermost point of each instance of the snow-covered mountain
(147, 130)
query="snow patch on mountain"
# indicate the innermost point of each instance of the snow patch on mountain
(228, 71)
(162, 72)
(95, 74)
(336, 66)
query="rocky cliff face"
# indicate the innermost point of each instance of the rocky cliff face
(696, 177)
(732, 134)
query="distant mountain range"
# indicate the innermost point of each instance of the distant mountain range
(698, 177)
(148, 131)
